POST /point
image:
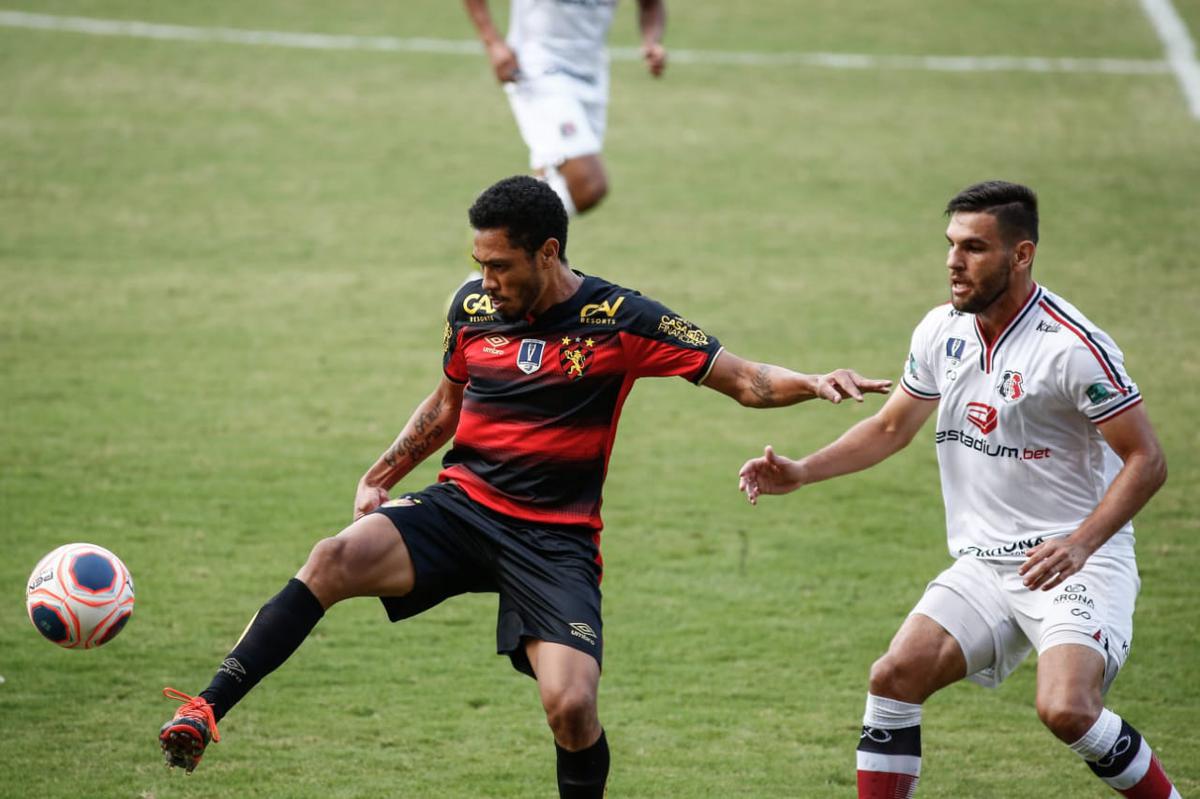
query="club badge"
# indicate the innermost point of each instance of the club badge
(575, 356)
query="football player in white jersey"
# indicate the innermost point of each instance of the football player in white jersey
(1046, 453)
(554, 67)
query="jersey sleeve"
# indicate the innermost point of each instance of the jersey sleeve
(454, 364)
(919, 378)
(660, 343)
(1094, 377)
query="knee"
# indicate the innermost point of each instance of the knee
(896, 678)
(327, 570)
(571, 714)
(1069, 718)
(590, 190)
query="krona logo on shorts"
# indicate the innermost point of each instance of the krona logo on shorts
(983, 416)
(584, 631)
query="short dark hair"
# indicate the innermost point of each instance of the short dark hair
(1013, 205)
(527, 209)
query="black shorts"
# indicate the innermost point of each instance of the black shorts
(547, 576)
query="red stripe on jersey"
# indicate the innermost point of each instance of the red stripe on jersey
(989, 347)
(553, 442)
(1091, 347)
(481, 492)
(662, 358)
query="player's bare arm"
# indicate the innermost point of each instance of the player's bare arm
(862, 446)
(501, 56)
(652, 21)
(431, 425)
(1132, 437)
(763, 385)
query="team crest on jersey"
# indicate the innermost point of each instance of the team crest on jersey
(529, 356)
(575, 356)
(1012, 386)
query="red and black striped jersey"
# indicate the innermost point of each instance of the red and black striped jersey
(543, 396)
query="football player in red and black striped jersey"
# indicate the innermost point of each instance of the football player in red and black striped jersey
(538, 359)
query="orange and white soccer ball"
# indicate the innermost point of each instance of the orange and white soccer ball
(80, 596)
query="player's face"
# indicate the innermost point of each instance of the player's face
(510, 275)
(980, 261)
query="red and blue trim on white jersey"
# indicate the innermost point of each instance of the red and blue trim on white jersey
(987, 352)
(1097, 349)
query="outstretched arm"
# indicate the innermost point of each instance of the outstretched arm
(652, 21)
(863, 445)
(1144, 471)
(763, 385)
(503, 59)
(432, 424)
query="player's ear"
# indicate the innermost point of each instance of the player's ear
(1023, 254)
(548, 254)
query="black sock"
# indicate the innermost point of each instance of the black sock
(582, 774)
(275, 632)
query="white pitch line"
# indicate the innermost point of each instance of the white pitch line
(1181, 50)
(322, 41)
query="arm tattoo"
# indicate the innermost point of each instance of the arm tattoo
(417, 444)
(762, 386)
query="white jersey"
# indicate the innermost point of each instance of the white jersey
(561, 37)
(1020, 455)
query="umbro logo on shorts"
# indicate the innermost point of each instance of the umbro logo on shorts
(584, 631)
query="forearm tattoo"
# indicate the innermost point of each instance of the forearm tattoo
(762, 386)
(425, 435)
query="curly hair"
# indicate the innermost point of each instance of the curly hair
(527, 209)
(1013, 205)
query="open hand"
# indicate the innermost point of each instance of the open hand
(769, 474)
(841, 383)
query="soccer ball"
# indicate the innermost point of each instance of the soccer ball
(80, 596)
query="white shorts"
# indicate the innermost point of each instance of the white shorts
(997, 620)
(559, 117)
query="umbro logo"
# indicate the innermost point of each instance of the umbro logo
(234, 668)
(584, 631)
(494, 345)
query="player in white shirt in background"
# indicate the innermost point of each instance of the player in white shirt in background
(1046, 453)
(554, 67)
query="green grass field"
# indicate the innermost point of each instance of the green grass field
(221, 275)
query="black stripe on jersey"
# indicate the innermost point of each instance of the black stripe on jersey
(904, 741)
(534, 479)
(1116, 373)
(588, 403)
(919, 392)
(1132, 399)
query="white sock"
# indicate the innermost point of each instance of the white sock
(555, 180)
